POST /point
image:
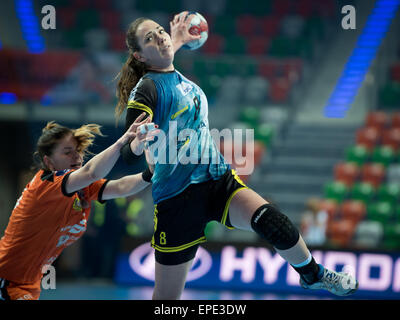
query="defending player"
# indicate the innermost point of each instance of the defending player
(188, 196)
(53, 209)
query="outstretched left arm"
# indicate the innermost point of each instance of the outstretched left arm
(126, 186)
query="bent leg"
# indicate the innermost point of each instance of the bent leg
(170, 280)
(243, 207)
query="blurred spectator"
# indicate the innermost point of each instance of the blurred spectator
(314, 223)
(89, 82)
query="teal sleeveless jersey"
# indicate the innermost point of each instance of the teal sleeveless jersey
(185, 152)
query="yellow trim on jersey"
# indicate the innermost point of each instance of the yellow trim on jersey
(228, 202)
(179, 248)
(176, 114)
(137, 105)
(237, 178)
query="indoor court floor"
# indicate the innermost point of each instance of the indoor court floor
(104, 290)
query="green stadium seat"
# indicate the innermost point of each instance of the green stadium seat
(146, 5)
(88, 19)
(260, 8)
(363, 191)
(389, 192)
(280, 47)
(397, 213)
(382, 211)
(250, 116)
(223, 68)
(336, 190)
(246, 68)
(358, 154)
(389, 95)
(264, 134)
(74, 38)
(236, 8)
(314, 28)
(391, 238)
(223, 25)
(384, 155)
(203, 66)
(235, 45)
(210, 85)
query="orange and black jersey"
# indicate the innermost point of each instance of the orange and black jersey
(43, 222)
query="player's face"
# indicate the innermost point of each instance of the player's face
(156, 46)
(65, 155)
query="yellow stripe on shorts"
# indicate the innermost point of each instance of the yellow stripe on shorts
(153, 242)
(228, 203)
(179, 248)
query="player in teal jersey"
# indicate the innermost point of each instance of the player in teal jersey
(189, 194)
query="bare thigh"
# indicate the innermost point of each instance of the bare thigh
(243, 206)
(170, 280)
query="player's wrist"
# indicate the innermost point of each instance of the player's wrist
(147, 175)
(136, 147)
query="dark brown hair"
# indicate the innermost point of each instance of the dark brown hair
(132, 70)
(54, 132)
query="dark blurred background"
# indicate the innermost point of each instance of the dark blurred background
(270, 65)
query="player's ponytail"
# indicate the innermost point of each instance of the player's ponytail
(131, 71)
(85, 136)
(53, 132)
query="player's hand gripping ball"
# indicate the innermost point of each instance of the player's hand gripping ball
(198, 26)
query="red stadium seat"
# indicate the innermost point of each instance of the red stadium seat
(346, 172)
(395, 72)
(214, 44)
(304, 8)
(377, 119)
(110, 20)
(257, 45)
(330, 207)
(246, 25)
(395, 121)
(373, 173)
(102, 5)
(267, 69)
(81, 4)
(353, 210)
(280, 89)
(67, 17)
(391, 137)
(281, 7)
(269, 26)
(117, 41)
(369, 137)
(341, 232)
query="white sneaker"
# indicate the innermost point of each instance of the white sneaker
(338, 283)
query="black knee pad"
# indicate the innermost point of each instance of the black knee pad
(275, 227)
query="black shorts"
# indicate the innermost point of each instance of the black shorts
(179, 222)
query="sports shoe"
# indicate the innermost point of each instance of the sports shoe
(338, 283)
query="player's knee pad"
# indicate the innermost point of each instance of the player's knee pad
(275, 227)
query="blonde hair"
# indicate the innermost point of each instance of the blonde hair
(53, 132)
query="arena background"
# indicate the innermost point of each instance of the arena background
(326, 120)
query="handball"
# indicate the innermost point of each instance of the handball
(198, 26)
